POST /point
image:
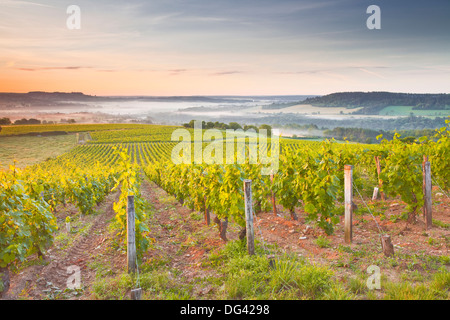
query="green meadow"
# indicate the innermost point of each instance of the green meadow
(28, 150)
(406, 111)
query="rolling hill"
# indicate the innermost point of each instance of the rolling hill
(374, 102)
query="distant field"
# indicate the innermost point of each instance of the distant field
(406, 111)
(25, 129)
(30, 150)
(138, 133)
(318, 139)
(388, 112)
(144, 143)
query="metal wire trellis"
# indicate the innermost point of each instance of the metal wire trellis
(373, 217)
(437, 184)
(260, 233)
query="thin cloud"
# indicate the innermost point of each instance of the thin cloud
(26, 69)
(174, 72)
(156, 20)
(54, 68)
(224, 73)
(371, 67)
(302, 72)
(372, 73)
(337, 69)
(207, 19)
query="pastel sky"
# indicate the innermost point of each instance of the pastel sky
(225, 47)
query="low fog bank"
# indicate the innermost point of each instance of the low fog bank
(179, 110)
(300, 133)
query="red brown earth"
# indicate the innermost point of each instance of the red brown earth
(183, 240)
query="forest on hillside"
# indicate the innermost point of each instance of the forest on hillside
(374, 102)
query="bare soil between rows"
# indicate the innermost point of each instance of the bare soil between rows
(183, 241)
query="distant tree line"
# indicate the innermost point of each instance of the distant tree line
(397, 123)
(309, 126)
(231, 125)
(274, 105)
(7, 121)
(370, 136)
(356, 134)
(374, 102)
(27, 121)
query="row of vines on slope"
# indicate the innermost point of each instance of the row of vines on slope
(402, 172)
(311, 177)
(129, 182)
(29, 198)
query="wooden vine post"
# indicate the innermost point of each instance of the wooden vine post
(427, 207)
(39, 252)
(273, 196)
(4, 280)
(136, 294)
(348, 195)
(131, 236)
(380, 182)
(131, 245)
(387, 246)
(249, 216)
(425, 159)
(207, 214)
(375, 193)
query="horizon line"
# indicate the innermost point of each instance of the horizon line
(220, 95)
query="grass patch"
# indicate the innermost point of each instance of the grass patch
(323, 242)
(63, 240)
(102, 268)
(407, 110)
(162, 284)
(154, 264)
(195, 216)
(357, 285)
(436, 290)
(112, 288)
(251, 277)
(156, 284)
(189, 242)
(29, 150)
(432, 241)
(168, 200)
(415, 276)
(441, 224)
